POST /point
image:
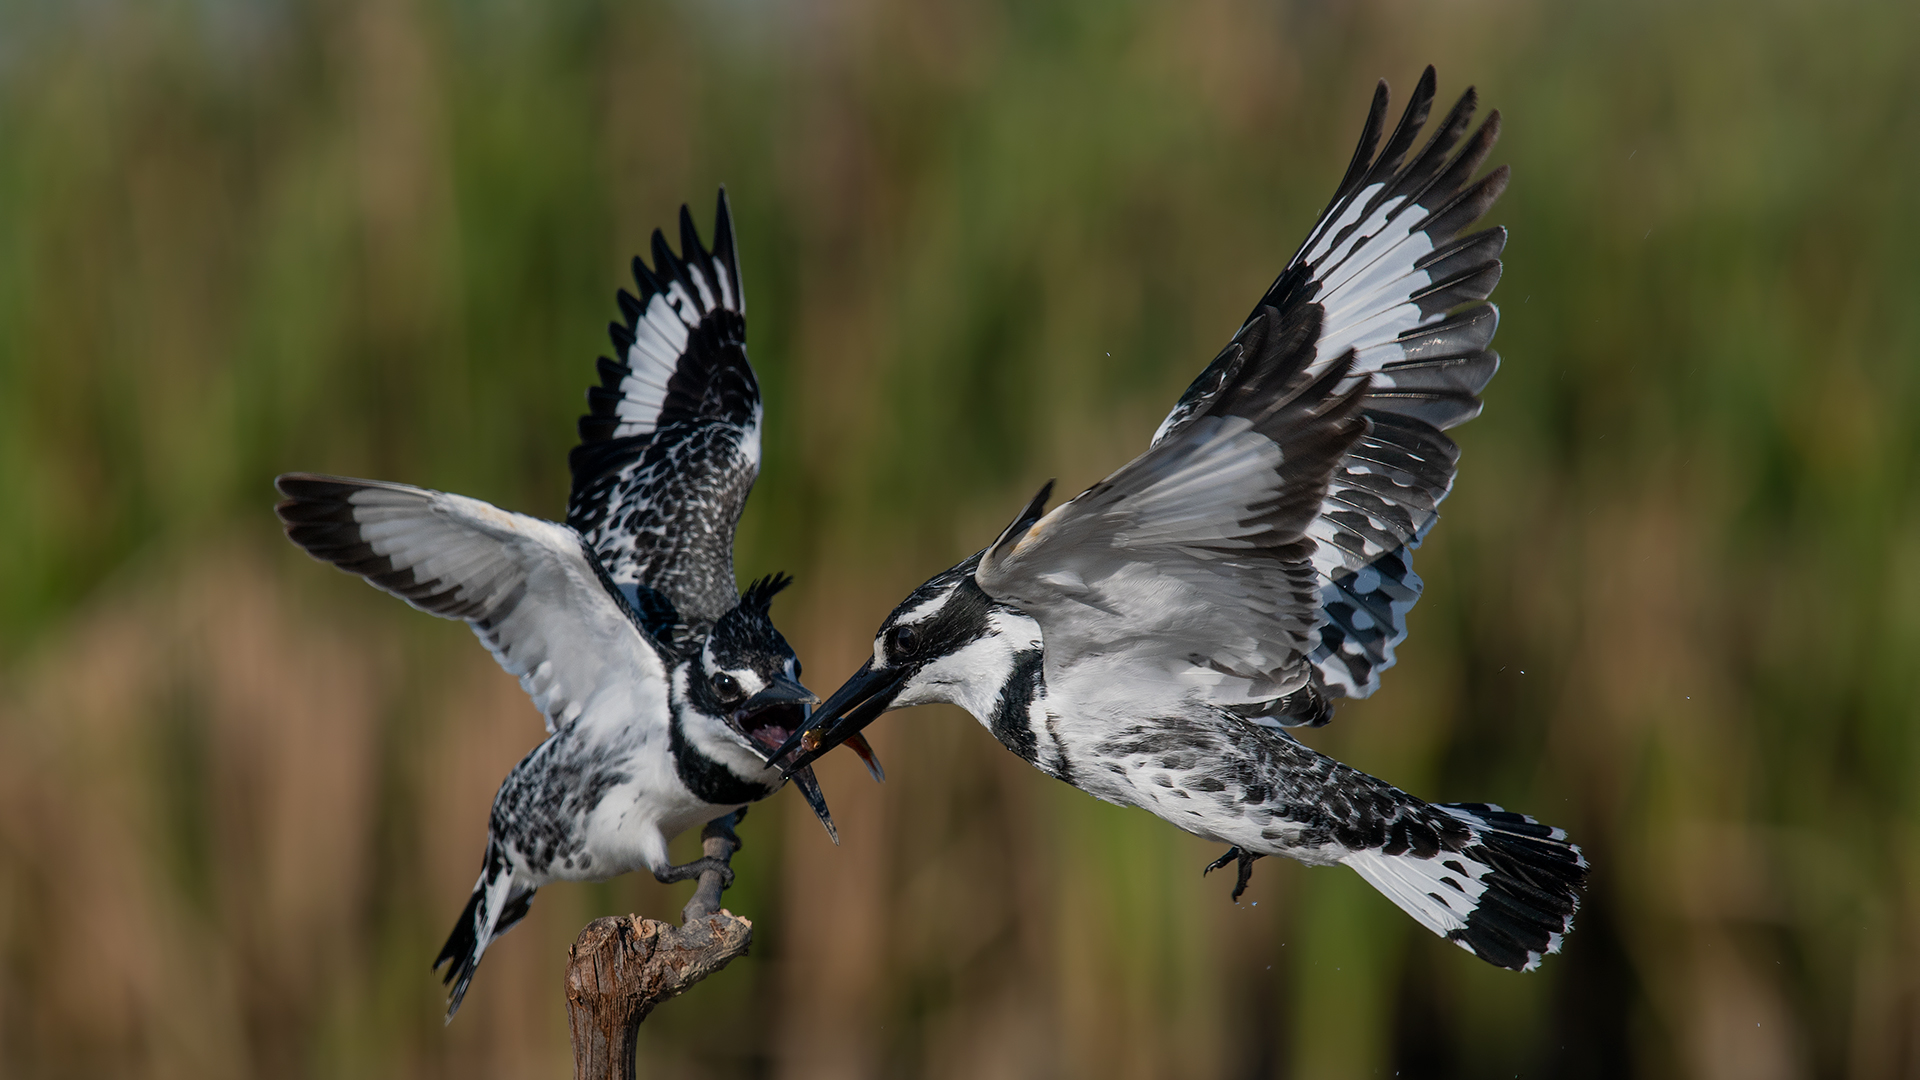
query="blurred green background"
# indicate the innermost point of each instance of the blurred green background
(1673, 605)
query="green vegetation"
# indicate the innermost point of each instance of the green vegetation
(1673, 604)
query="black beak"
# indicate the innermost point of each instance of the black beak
(782, 691)
(786, 696)
(856, 704)
(810, 789)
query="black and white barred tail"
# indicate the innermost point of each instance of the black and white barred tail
(490, 912)
(1507, 895)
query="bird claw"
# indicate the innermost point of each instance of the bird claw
(1244, 873)
(689, 871)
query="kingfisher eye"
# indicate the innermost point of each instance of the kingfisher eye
(901, 639)
(726, 686)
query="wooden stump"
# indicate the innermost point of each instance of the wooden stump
(621, 967)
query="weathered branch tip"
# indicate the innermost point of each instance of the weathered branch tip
(621, 967)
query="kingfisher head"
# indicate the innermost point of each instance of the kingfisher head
(947, 642)
(747, 675)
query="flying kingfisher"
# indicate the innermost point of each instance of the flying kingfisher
(1152, 640)
(664, 690)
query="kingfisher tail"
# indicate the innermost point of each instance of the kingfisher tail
(492, 909)
(1506, 894)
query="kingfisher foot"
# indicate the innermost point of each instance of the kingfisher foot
(1245, 872)
(689, 871)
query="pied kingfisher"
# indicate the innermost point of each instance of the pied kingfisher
(664, 692)
(1149, 641)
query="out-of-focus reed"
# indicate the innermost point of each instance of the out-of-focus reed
(1672, 604)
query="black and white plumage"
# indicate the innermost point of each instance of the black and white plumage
(670, 445)
(664, 691)
(1151, 640)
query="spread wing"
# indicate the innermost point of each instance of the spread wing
(670, 444)
(528, 587)
(1386, 274)
(1187, 574)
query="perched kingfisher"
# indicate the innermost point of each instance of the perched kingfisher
(664, 691)
(1151, 640)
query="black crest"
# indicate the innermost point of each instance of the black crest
(759, 595)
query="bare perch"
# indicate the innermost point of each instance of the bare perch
(620, 968)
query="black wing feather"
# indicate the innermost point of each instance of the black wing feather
(670, 444)
(1384, 276)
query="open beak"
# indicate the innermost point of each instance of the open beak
(782, 711)
(852, 707)
(773, 715)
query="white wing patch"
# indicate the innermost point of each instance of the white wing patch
(523, 584)
(658, 340)
(1323, 234)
